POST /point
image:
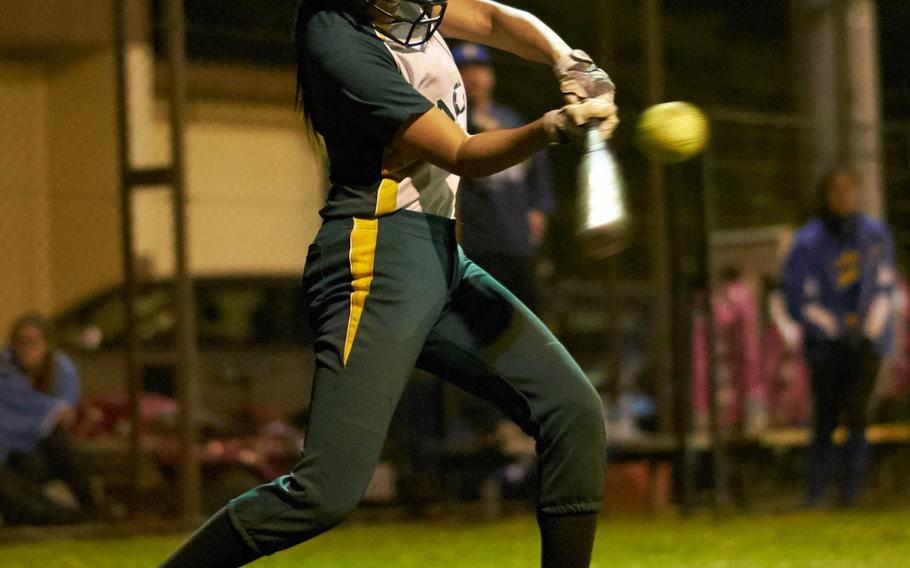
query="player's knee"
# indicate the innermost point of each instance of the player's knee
(589, 419)
(585, 405)
(578, 419)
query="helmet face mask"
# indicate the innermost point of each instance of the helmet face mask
(410, 23)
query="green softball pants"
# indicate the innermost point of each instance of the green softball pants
(391, 294)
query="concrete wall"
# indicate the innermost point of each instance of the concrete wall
(28, 27)
(255, 186)
(84, 252)
(59, 223)
(255, 190)
(24, 229)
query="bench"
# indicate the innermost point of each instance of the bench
(658, 451)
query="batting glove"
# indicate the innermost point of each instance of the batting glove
(580, 79)
(571, 122)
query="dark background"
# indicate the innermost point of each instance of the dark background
(721, 56)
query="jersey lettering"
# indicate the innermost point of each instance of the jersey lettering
(444, 108)
(458, 103)
(432, 72)
(458, 100)
(848, 268)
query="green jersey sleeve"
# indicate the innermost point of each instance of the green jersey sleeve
(356, 75)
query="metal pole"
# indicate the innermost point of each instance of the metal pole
(815, 45)
(660, 257)
(718, 444)
(185, 301)
(860, 99)
(131, 343)
(670, 393)
(680, 329)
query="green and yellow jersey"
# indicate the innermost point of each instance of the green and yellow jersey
(362, 90)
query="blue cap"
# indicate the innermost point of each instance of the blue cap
(470, 54)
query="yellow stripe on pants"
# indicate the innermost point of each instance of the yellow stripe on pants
(387, 197)
(362, 256)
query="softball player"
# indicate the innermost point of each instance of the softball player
(390, 289)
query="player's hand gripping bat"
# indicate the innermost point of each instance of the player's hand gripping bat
(603, 225)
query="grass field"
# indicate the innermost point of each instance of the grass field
(865, 539)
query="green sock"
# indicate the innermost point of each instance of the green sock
(216, 544)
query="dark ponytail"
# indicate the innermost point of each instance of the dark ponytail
(306, 9)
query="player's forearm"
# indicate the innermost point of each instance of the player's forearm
(434, 137)
(505, 28)
(490, 152)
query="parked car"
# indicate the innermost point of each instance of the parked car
(253, 337)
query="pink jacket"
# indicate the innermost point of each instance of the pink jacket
(900, 387)
(741, 390)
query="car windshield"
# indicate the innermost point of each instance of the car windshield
(242, 311)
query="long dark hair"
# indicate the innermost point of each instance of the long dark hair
(43, 378)
(822, 205)
(834, 223)
(306, 9)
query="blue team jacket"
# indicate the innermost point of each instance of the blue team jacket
(841, 284)
(493, 210)
(26, 415)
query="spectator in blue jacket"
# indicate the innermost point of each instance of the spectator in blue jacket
(503, 216)
(39, 389)
(838, 281)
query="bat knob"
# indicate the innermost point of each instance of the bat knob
(605, 240)
(604, 223)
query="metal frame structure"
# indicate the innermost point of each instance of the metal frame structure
(174, 177)
(673, 298)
